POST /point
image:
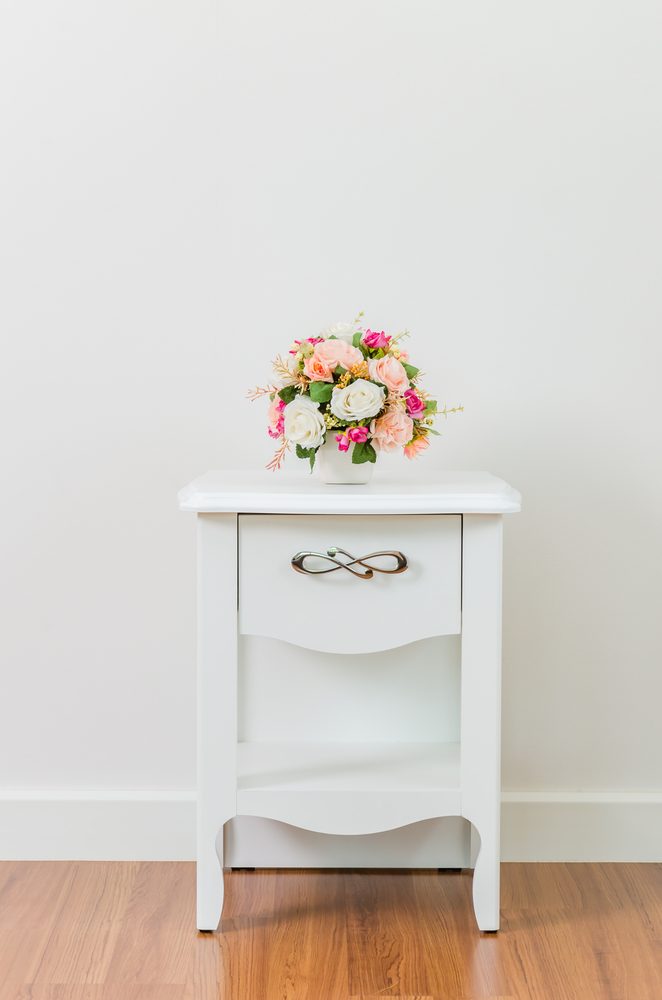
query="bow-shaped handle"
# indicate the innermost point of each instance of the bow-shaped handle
(298, 562)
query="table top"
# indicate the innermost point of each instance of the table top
(387, 493)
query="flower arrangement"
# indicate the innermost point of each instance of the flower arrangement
(354, 384)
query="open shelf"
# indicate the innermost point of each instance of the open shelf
(347, 766)
(348, 787)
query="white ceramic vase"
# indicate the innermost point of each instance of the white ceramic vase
(335, 466)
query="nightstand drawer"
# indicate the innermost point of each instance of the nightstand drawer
(338, 611)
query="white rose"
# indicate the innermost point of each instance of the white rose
(358, 400)
(342, 331)
(304, 424)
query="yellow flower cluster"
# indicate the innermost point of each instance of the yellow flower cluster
(360, 369)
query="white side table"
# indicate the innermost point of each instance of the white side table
(448, 526)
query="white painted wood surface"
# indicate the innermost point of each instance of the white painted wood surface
(481, 704)
(217, 704)
(299, 493)
(337, 612)
(255, 842)
(348, 788)
(340, 786)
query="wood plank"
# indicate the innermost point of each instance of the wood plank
(460, 960)
(569, 932)
(77, 991)
(157, 935)
(233, 963)
(29, 910)
(83, 940)
(306, 938)
(384, 945)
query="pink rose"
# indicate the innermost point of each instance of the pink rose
(415, 405)
(276, 418)
(391, 431)
(353, 435)
(338, 352)
(375, 340)
(416, 447)
(390, 373)
(317, 370)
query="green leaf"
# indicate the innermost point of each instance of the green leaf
(287, 393)
(356, 339)
(411, 371)
(308, 453)
(436, 433)
(339, 370)
(363, 452)
(430, 405)
(321, 392)
(333, 337)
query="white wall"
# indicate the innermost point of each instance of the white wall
(189, 185)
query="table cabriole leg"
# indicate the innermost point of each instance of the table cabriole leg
(481, 704)
(217, 705)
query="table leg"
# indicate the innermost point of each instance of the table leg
(481, 703)
(217, 704)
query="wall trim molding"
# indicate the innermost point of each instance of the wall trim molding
(576, 797)
(159, 825)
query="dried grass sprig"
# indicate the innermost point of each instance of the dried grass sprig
(289, 375)
(278, 458)
(395, 401)
(258, 392)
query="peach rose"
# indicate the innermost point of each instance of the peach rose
(390, 373)
(338, 352)
(391, 431)
(416, 447)
(317, 370)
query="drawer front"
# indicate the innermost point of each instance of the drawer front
(339, 612)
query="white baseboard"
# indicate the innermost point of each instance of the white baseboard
(581, 826)
(97, 826)
(160, 826)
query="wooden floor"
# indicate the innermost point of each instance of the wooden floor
(125, 931)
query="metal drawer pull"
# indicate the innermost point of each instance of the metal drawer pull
(298, 562)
